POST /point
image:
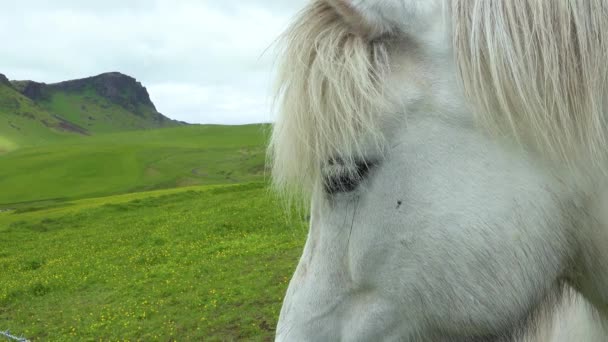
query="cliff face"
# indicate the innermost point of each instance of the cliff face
(4, 80)
(118, 88)
(34, 90)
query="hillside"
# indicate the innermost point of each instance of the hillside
(116, 163)
(33, 112)
(22, 121)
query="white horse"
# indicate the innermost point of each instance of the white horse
(454, 153)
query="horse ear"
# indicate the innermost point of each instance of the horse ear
(374, 18)
(360, 24)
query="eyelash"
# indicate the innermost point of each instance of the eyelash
(348, 181)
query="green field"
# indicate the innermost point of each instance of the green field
(202, 263)
(117, 163)
(162, 235)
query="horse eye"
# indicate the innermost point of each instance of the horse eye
(344, 181)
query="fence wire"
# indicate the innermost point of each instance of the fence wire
(8, 335)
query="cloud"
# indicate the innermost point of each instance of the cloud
(202, 61)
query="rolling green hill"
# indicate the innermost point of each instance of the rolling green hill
(32, 113)
(23, 122)
(116, 163)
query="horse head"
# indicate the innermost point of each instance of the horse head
(441, 145)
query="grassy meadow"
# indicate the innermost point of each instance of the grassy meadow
(116, 163)
(163, 235)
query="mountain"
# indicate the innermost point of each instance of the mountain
(34, 112)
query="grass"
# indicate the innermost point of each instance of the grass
(200, 263)
(6, 145)
(96, 114)
(152, 235)
(110, 164)
(23, 122)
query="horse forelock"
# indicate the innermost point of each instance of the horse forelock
(533, 70)
(538, 71)
(329, 95)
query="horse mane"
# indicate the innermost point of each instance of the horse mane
(537, 71)
(329, 94)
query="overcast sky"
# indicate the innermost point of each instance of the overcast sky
(203, 61)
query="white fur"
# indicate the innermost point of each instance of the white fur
(455, 234)
(388, 16)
